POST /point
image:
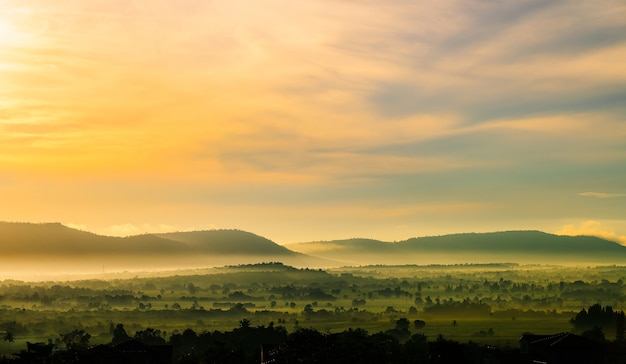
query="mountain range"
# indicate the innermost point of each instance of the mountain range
(43, 248)
(525, 247)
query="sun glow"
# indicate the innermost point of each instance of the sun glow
(8, 36)
(10, 32)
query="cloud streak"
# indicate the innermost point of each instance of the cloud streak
(602, 194)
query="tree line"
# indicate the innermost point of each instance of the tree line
(274, 344)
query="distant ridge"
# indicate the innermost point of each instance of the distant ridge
(507, 246)
(517, 241)
(40, 249)
(51, 239)
(43, 248)
(228, 242)
(57, 239)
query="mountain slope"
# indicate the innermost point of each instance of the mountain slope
(235, 242)
(46, 248)
(55, 239)
(42, 249)
(515, 241)
(241, 247)
(510, 246)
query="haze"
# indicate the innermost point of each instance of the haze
(315, 120)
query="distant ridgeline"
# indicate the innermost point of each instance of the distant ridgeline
(53, 247)
(56, 248)
(527, 247)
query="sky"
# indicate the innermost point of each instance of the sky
(315, 120)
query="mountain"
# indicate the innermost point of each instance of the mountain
(526, 247)
(55, 239)
(232, 242)
(42, 249)
(241, 247)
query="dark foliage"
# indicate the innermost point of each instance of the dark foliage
(598, 318)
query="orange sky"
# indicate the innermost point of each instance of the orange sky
(314, 120)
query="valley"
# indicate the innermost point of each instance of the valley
(466, 298)
(488, 303)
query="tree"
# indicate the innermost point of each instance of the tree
(119, 335)
(244, 323)
(150, 336)
(417, 348)
(184, 344)
(192, 288)
(595, 334)
(419, 324)
(619, 327)
(357, 302)
(308, 310)
(598, 316)
(9, 337)
(76, 340)
(401, 331)
(403, 324)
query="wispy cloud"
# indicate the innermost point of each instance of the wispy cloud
(154, 103)
(602, 194)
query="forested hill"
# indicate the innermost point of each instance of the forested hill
(45, 248)
(516, 241)
(228, 242)
(54, 239)
(52, 247)
(57, 239)
(509, 246)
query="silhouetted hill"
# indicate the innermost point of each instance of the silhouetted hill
(517, 241)
(510, 246)
(55, 239)
(42, 249)
(232, 242)
(241, 247)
